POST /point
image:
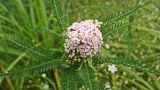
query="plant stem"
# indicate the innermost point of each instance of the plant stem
(113, 80)
(8, 81)
(56, 75)
(16, 61)
(89, 60)
(80, 66)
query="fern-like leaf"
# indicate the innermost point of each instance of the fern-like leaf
(122, 14)
(138, 64)
(115, 28)
(47, 32)
(88, 77)
(70, 79)
(23, 45)
(58, 14)
(31, 49)
(33, 69)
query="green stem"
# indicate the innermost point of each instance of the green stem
(113, 80)
(13, 64)
(56, 74)
(80, 66)
(16, 61)
(89, 60)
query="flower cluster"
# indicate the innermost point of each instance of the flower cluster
(84, 39)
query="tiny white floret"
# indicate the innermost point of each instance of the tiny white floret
(46, 87)
(112, 68)
(107, 46)
(107, 86)
(43, 75)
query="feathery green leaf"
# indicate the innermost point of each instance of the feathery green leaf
(88, 76)
(138, 64)
(122, 14)
(70, 79)
(32, 70)
(58, 14)
(115, 28)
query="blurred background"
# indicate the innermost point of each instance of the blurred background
(139, 41)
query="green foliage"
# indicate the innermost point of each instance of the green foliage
(37, 44)
(115, 23)
(32, 69)
(122, 14)
(24, 46)
(138, 64)
(73, 78)
(58, 13)
(70, 79)
(115, 28)
(88, 76)
(44, 60)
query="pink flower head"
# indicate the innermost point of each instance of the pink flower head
(84, 39)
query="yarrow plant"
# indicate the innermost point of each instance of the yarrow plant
(83, 40)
